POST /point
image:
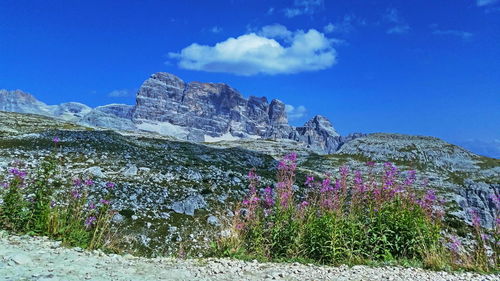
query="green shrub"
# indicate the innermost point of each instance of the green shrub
(351, 219)
(45, 203)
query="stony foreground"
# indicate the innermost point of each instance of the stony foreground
(28, 258)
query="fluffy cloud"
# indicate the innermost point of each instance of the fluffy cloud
(303, 7)
(482, 3)
(398, 24)
(295, 112)
(260, 52)
(119, 93)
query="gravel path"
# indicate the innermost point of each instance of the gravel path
(28, 258)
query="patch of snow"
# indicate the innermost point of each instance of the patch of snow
(224, 137)
(164, 128)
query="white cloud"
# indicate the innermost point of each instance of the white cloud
(304, 7)
(119, 93)
(398, 23)
(464, 35)
(216, 29)
(346, 25)
(276, 31)
(482, 3)
(255, 53)
(295, 113)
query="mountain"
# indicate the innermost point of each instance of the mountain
(201, 112)
(171, 191)
(181, 153)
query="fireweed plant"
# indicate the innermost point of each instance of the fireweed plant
(44, 203)
(352, 219)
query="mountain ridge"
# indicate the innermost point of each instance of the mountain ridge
(194, 111)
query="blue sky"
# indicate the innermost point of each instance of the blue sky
(414, 67)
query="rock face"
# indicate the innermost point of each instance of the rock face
(19, 101)
(319, 134)
(192, 111)
(204, 109)
(478, 196)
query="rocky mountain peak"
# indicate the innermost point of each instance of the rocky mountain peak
(167, 79)
(322, 124)
(22, 102)
(195, 111)
(277, 112)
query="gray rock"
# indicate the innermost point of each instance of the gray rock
(118, 218)
(131, 171)
(96, 172)
(189, 205)
(477, 196)
(213, 220)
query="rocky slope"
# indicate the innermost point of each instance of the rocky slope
(174, 193)
(190, 111)
(35, 258)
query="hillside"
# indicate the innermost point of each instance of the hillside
(173, 192)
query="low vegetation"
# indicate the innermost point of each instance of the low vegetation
(349, 218)
(46, 204)
(352, 219)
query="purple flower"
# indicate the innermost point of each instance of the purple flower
(246, 202)
(304, 204)
(285, 198)
(292, 157)
(268, 197)
(91, 206)
(430, 196)
(370, 164)
(76, 194)
(309, 181)
(485, 237)
(90, 221)
(327, 203)
(56, 140)
(344, 171)
(390, 170)
(18, 173)
(77, 182)
(110, 185)
(252, 175)
(104, 202)
(280, 184)
(325, 186)
(337, 184)
(5, 184)
(358, 181)
(89, 182)
(455, 244)
(254, 200)
(476, 220)
(410, 179)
